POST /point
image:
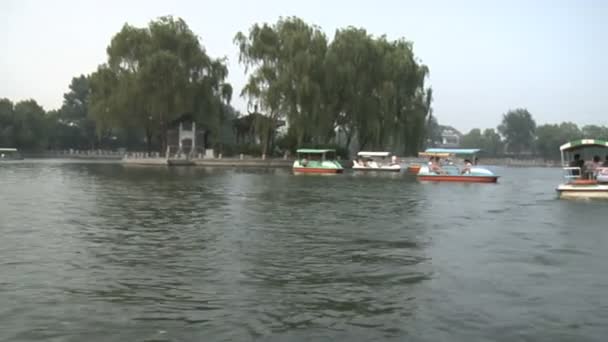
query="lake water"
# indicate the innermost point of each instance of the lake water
(105, 252)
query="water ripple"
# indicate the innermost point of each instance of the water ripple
(102, 252)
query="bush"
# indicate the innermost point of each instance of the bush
(234, 150)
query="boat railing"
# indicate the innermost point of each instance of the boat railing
(569, 172)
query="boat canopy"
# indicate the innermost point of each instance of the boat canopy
(434, 154)
(373, 154)
(8, 149)
(314, 151)
(453, 150)
(574, 144)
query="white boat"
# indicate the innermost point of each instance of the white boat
(451, 172)
(376, 161)
(581, 180)
(317, 161)
(10, 154)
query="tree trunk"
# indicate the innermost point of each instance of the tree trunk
(349, 138)
(163, 143)
(148, 140)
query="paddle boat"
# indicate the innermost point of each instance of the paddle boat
(10, 154)
(469, 172)
(584, 180)
(376, 161)
(316, 161)
(413, 168)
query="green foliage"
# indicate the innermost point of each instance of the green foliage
(288, 142)
(71, 125)
(155, 74)
(433, 132)
(234, 150)
(492, 144)
(489, 141)
(595, 132)
(550, 137)
(23, 125)
(7, 133)
(368, 88)
(518, 128)
(473, 139)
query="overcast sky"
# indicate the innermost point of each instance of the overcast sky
(485, 57)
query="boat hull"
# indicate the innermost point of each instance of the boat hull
(316, 170)
(461, 179)
(567, 191)
(413, 169)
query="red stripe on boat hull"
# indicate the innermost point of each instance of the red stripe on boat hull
(413, 169)
(464, 179)
(316, 170)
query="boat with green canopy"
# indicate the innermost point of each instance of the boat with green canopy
(316, 161)
(584, 179)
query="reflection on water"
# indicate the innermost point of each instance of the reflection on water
(102, 252)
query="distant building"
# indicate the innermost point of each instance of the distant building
(450, 137)
(185, 137)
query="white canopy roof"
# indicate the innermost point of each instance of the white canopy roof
(373, 154)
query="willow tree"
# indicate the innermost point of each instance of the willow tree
(350, 82)
(371, 89)
(378, 90)
(155, 74)
(260, 51)
(285, 61)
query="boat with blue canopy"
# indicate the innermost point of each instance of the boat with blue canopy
(450, 171)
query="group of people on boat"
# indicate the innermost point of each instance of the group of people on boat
(311, 158)
(588, 170)
(371, 163)
(436, 165)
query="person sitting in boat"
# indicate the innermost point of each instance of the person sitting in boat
(435, 166)
(596, 162)
(605, 162)
(467, 167)
(304, 161)
(577, 162)
(394, 160)
(594, 167)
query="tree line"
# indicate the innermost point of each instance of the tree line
(355, 87)
(28, 126)
(354, 90)
(519, 135)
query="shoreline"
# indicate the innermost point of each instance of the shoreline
(141, 159)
